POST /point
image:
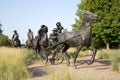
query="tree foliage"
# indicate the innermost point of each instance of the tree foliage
(107, 30)
(4, 40)
(0, 29)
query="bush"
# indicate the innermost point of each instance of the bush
(4, 40)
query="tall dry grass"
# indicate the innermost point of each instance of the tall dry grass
(12, 64)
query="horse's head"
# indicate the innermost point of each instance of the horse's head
(90, 17)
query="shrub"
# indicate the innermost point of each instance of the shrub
(4, 40)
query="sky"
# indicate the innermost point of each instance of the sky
(22, 15)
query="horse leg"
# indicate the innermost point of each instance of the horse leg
(76, 55)
(36, 52)
(64, 52)
(61, 57)
(46, 56)
(41, 53)
(55, 54)
(93, 56)
(53, 57)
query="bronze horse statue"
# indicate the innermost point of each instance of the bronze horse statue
(29, 44)
(79, 38)
(41, 43)
(16, 43)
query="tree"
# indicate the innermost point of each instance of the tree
(107, 30)
(0, 29)
(4, 40)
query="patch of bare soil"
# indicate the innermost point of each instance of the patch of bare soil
(99, 70)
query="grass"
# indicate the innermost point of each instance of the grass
(68, 74)
(71, 52)
(102, 54)
(65, 75)
(12, 64)
(31, 56)
(115, 59)
(113, 55)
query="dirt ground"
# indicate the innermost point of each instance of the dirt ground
(99, 70)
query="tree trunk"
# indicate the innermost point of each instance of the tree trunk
(107, 47)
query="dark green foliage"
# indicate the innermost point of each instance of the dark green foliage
(0, 29)
(107, 29)
(4, 40)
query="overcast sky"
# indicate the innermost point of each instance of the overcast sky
(22, 15)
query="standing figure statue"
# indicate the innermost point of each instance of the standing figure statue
(59, 27)
(30, 35)
(53, 37)
(15, 36)
(15, 39)
(29, 42)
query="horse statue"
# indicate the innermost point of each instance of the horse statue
(29, 44)
(41, 44)
(16, 43)
(79, 38)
